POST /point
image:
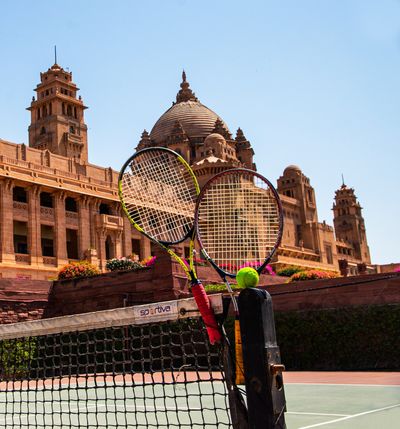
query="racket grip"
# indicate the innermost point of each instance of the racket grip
(206, 311)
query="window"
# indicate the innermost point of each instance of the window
(109, 248)
(46, 200)
(20, 237)
(328, 251)
(19, 195)
(70, 205)
(42, 131)
(47, 235)
(136, 247)
(104, 209)
(72, 244)
(72, 129)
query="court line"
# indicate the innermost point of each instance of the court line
(316, 414)
(351, 417)
(345, 384)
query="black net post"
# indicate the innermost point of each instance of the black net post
(261, 360)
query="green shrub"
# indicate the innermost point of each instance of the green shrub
(343, 339)
(15, 358)
(312, 275)
(220, 287)
(79, 269)
(289, 271)
(121, 264)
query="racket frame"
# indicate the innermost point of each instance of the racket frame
(197, 287)
(190, 272)
(224, 273)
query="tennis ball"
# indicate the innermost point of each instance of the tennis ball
(247, 277)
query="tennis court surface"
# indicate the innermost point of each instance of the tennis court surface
(340, 400)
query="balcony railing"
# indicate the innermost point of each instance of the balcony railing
(109, 222)
(22, 258)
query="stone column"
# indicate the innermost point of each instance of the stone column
(84, 222)
(94, 206)
(118, 244)
(101, 248)
(7, 221)
(126, 237)
(34, 232)
(60, 228)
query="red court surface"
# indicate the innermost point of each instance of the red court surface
(342, 377)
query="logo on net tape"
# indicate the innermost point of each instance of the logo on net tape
(156, 312)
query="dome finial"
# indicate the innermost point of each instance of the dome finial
(185, 93)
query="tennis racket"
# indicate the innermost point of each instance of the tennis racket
(158, 191)
(239, 223)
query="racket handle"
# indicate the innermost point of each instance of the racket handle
(206, 311)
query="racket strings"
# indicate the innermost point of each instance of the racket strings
(159, 194)
(238, 221)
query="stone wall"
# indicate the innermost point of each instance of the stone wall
(373, 289)
(22, 300)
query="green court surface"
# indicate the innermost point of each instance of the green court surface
(105, 406)
(330, 406)
(339, 406)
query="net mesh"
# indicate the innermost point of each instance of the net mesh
(239, 220)
(159, 194)
(123, 368)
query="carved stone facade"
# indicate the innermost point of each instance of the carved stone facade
(55, 206)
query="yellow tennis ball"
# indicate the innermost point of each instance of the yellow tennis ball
(247, 277)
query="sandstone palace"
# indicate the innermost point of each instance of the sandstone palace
(56, 207)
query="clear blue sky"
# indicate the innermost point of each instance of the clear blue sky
(314, 83)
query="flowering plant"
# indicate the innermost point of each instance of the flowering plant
(77, 269)
(397, 270)
(120, 264)
(148, 262)
(312, 275)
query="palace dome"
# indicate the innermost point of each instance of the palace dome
(292, 168)
(196, 119)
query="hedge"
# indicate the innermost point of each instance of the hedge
(352, 338)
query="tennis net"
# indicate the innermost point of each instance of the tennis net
(136, 367)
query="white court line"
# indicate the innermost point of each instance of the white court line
(351, 417)
(316, 414)
(344, 384)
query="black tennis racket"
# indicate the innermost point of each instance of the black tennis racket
(158, 191)
(239, 223)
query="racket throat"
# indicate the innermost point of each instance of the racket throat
(194, 281)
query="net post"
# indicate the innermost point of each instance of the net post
(261, 359)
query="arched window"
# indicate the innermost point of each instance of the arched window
(109, 248)
(69, 110)
(63, 108)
